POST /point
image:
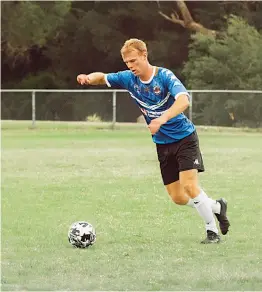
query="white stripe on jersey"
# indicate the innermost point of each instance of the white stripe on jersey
(154, 106)
(180, 93)
(107, 83)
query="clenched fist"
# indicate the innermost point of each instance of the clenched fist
(155, 124)
(83, 79)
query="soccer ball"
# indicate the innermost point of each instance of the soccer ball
(81, 234)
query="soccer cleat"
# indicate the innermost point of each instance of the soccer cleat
(212, 237)
(222, 217)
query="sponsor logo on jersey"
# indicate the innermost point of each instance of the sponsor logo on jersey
(151, 114)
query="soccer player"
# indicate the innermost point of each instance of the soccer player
(162, 98)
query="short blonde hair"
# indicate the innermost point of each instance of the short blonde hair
(134, 44)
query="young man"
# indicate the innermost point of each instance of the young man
(162, 99)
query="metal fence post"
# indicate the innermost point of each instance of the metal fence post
(114, 109)
(33, 109)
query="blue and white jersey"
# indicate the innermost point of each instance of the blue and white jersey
(154, 97)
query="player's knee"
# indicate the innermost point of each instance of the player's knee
(190, 188)
(178, 198)
(179, 201)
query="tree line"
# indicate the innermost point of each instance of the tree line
(208, 45)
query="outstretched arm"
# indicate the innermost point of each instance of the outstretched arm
(96, 78)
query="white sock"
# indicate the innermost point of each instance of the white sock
(190, 203)
(215, 206)
(205, 211)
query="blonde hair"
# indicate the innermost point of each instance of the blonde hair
(134, 44)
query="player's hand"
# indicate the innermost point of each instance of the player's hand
(82, 79)
(155, 124)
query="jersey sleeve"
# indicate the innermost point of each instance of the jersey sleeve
(174, 85)
(118, 80)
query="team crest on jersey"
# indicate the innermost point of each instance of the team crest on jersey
(136, 87)
(157, 90)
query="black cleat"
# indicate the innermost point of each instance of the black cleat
(222, 217)
(212, 237)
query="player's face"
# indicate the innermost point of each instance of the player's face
(135, 61)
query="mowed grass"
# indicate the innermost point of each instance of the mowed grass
(54, 176)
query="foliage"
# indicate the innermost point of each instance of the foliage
(27, 23)
(233, 61)
(93, 118)
(41, 80)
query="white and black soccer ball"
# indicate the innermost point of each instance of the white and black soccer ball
(81, 234)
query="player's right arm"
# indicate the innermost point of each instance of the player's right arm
(96, 78)
(117, 80)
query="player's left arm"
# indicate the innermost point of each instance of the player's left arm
(181, 104)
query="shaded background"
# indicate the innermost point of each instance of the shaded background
(208, 45)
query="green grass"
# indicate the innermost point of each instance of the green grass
(56, 175)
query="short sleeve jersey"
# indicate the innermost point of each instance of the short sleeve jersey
(154, 97)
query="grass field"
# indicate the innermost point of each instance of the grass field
(53, 176)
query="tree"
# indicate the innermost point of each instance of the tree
(187, 20)
(233, 61)
(208, 17)
(27, 23)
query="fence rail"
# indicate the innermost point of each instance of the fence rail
(114, 96)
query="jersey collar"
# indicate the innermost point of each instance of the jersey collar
(151, 78)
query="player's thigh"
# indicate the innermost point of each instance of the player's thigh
(168, 164)
(189, 155)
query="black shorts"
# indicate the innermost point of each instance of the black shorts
(179, 156)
